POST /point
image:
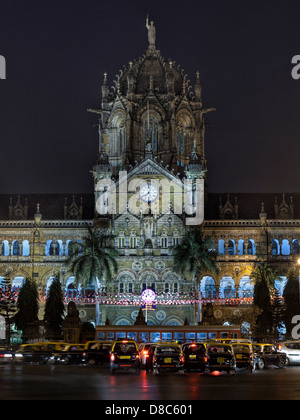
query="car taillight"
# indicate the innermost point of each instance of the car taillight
(205, 359)
(112, 357)
(145, 353)
(279, 347)
(182, 359)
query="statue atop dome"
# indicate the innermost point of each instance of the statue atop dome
(151, 34)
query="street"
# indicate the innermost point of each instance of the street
(19, 382)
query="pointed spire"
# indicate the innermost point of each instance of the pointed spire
(105, 89)
(198, 87)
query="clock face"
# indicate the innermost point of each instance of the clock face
(148, 192)
(148, 295)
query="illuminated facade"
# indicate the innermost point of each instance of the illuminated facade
(151, 125)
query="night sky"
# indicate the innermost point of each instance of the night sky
(56, 52)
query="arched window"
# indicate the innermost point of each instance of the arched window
(295, 247)
(71, 288)
(285, 247)
(246, 288)
(251, 247)
(275, 247)
(227, 288)
(167, 288)
(221, 249)
(15, 248)
(68, 250)
(121, 287)
(59, 248)
(25, 248)
(208, 287)
(241, 249)
(49, 248)
(231, 247)
(17, 283)
(5, 249)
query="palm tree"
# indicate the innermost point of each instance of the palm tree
(194, 256)
(91, 259)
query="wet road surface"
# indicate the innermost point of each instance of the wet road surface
(95, 383)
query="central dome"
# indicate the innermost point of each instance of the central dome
(152, 73)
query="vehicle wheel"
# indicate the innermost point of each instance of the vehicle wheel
(155, 371)
(261, 364)
(232, 372)
(181, 372)
(287, 361)
(281, 363)
(92, 362)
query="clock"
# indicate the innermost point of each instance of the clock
(149, 192)
(148, 295)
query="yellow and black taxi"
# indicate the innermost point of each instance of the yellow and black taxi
(244, 355)
(266, 355)
(97, 352)
(168, 357)
(40, 352)
(220, 357)
(124, 355)
(195, 357)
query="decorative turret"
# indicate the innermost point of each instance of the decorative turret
(194, 168)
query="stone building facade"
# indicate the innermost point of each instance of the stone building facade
(151, 139)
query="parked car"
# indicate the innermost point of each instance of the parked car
(168, 357)
(291, 348)
(266, 355)
(244, 355)
(124, 355)
(220, 357)
(195, 357)
(97, 352)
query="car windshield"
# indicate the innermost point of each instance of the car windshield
(219, 349)
(125, 348)
(168, 349)
(241, 348)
